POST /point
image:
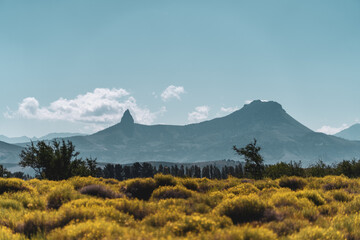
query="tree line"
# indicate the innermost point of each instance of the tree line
(58, 160)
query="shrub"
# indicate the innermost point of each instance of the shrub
(60, 195)
(92, 229)
(171, 192)
(36, 222)
(287, 226)
(266, 183)
(80, 182)
(294, 183)
(28, 200)
(241, 233)
(313, 196)
(7, 234)
(190, 184)
(317, 233)
(10, 203)
(13, 185)
(341, 195)
(191, 224)
(161, 218)
(289, 199)
(99, 191)
(243, 189)
(164, 180)
(140, 188)
(137, 208)
(243, 208)
(330, 209)
(310, 213)
(336, 182)
(348, 224)
(353, 206)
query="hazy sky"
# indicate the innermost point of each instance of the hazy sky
(75, 66)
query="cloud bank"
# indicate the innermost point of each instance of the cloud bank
(332, 130)
(201, 113)
(103, 106)
(228, 109)
(172, 92)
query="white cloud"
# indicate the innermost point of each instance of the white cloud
(332, 130)
(172, 92)
(97, 109)
(250, 101)
(228, 109)
(201, 113)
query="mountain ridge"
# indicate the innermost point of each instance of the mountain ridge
(351, 133)
(281, 137)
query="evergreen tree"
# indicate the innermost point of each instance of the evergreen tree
(254, 162)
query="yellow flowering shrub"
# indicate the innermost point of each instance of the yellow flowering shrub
(13, 185)
(243, 208)
(181, 208)
(317, 233)
(243, 189)
(7, 234)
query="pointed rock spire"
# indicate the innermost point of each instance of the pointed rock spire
(127, 119)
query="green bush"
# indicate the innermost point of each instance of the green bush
(190, 184)
(10, 204)
(140, 188)
(13, 185)
(294, 183)
(60, 195)
(287, 227)
(353, 206)
(164, 180)
(243, 208)
(92, 229)
(317, 233)
(137, 208)
(243, 189)
(241, 233)
(7, 234)
(313, 196)
(191, 224)
(341, 195)
(171, 192)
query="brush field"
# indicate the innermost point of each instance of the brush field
(166, 207)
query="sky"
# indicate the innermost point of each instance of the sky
(76, 66)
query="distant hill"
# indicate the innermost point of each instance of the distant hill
(281, 137)
(351, 133)
(14, 139)
(9, 153)
(49, 136)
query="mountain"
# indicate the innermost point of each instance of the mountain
(351, 133)
(281, 137)
(9, 153)
(14, 139)
(49, 136)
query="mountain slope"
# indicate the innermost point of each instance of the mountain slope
(351, 133)
(9, 153)
(281, 137)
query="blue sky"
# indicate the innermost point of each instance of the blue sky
(74, 66)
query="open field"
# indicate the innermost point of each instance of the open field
(165, 207)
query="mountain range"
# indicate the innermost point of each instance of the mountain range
(25, 139)
(280, 136)
(351, 133)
